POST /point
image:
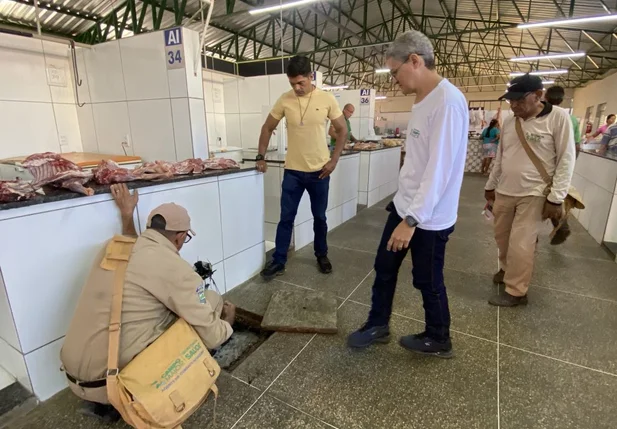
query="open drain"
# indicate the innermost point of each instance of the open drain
(247, 338)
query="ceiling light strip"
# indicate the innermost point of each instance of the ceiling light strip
(569, 21)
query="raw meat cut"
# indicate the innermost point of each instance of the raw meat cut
(188, 166)
(366, 146)
(50, 168)
(15, 190)
(108, 172)
(220, 164)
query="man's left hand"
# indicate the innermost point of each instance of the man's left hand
(328, 169)
(401, 237)
(125, 201)
(552, 211)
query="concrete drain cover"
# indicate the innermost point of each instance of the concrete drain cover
(301, 311)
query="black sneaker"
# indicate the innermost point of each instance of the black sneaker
(103, 412)
(325, 266)
(506, 300)
(272, 269)
(424, 345)
(366, 336)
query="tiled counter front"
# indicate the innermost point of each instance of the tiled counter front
(379, 171)
(49, 248)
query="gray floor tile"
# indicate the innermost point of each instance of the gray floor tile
(564, 326)
(473, 256)
(266, 363)
(585, 276)
(273, 414)
(467, 295)
(376, 217)
(539, 393)
(387, 386)
(357, 236)
(350, 268)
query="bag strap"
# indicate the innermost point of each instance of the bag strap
(531, 154)
(117, 255)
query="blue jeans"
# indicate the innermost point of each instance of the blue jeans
(294, 185)
(428, 250)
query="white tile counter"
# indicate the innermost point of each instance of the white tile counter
(49, 249)
(595, 177)
(379, 171)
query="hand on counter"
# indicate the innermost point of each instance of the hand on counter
(125, 201)
(262, 167)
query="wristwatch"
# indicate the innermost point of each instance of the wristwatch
(411, 221)
(260, 157)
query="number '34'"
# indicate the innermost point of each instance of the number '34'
(174, 57)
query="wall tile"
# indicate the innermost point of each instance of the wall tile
(44, 368)
(362, 198)
(254, 93)
(230, 95)
(234, 135)
(57, 57)
(67, 122)
(303, 235)
(335, 217)
(240, 197)
(219, 278)
(152, 130)
(176, 79)
(44, 316)
(144, 66)
(202, 203)
(83, 90)
(304, 210)
(250, 128)
(193, 63)
(198, 128)
(355, 126)
(23, 65)
(349, 209)
(8, 331)
(243, 266)
(111, 122)
(28, 128)
(279, 84)
(86, 128)
(182, 127)
(15, 364)
(105, 73)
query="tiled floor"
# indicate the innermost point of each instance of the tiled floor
(551, 364)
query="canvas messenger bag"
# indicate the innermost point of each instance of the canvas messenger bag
(165, 383)
(573, 199)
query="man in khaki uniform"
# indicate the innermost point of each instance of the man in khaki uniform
(159, 287)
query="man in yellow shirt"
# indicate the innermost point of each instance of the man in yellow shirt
(308, 164)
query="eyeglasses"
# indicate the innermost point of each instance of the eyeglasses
(394, 72)
(520, 99)
(188, 237)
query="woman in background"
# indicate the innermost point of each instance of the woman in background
(490, 138)
(610, 120)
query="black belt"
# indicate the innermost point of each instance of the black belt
(87, 384)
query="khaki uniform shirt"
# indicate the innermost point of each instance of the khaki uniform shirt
(159, 287)
(307, 147)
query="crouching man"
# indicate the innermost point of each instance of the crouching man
(159, 287)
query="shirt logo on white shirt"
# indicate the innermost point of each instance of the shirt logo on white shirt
(201, 293)
(533, 138)
(415, 133)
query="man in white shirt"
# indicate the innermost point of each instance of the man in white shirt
(521, 198)
(424, 210)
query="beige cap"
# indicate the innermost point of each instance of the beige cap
(176, 217)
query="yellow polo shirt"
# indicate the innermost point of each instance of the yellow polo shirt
(307, 148)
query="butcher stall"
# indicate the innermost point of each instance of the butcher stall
(56, 216)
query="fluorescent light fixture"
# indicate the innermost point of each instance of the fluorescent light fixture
(548, 82)
(569, 21)
(540, 73)
(332, 88)
(549, 56)
(280, 7)
(380, 97)
(382, 70)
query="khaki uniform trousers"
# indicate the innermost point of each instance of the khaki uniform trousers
(517, 222)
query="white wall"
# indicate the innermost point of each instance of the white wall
(213, 85)
(34, 115)
(132, 97)
(602, 91)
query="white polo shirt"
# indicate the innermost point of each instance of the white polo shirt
(551, 137)
(436, 146)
